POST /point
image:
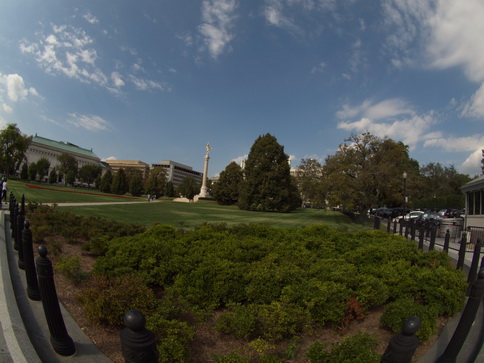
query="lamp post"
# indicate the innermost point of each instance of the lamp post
(404, 189)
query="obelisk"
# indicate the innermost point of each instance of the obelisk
(203, 189)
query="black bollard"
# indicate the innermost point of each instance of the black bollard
(400, 226)
(59, 338)
(466, 320)
(402, 346)
(20, 227)
(412, 230)
(394, 226)
(389, 223)
(446, 241)
(462, 252)
(376, 224)
(407, 228)
(13, 221)
(421, 237)
(33, 291)
(138, 344)
(474, 266)
(433, 235)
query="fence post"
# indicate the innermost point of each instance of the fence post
(466, 320)
(462, 252)
(138, 344)
(433, 235)
(402, 346)
(395, 226)
(446, 241)
(59, 338)
(20, 227)
(400, 226)
(474, 266)
(412, 230)
(13, 221)
(406, 228)
(421, 237)
(33, 291)
(389, 223)
(376, 224)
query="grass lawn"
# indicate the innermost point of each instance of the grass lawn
(178, 214)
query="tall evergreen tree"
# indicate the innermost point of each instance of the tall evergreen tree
(43, 165)
(226, 190)
(156, 181)
(188, 188)
(120, 183)
(268, 185)
(106, 182)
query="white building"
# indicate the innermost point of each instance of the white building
(176, 172)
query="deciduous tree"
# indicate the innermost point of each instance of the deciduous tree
(43, 165)
(106, 182)
(156, 181)
(188, 188)
(309, 177)
(120, 183)
(67, 163)
(13, 146)
(89, 172)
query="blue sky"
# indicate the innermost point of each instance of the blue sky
(156, 80)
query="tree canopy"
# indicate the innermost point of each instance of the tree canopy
(155, 182)
(310, 181)
(13, 146)
(268, 185)
(227, 189)
(188, 188)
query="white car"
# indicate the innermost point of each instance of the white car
(413, 215)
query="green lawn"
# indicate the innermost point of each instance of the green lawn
(178, 214)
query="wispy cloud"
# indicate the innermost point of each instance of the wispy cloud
(441, 35)
(392, 118)
(70, 51)
(90, 18)
(14, 86)
(88, 122)
(217, 22)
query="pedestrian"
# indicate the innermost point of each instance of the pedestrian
(4, 190)
(149, 197)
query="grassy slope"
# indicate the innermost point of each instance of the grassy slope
(174, 213)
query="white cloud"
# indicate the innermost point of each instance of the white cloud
(88, 122)
(117, 80)
(449, 34)
(110, 158)
(472, 165)
(6, 108)
(240, 159)
(3, 123)
(14, 86)
(392, 118)
(147, 84)
(91, 18)
(218, 17)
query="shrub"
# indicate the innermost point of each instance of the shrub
(357, 348)
(240, 320)
(396, 312)
(106, 300)
(230, 358)
(70, 267)
(281, 320)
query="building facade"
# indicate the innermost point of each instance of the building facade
(176, 172)
(115, 165)
(41, 147)
(474, 192)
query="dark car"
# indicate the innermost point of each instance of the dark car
(400, 212)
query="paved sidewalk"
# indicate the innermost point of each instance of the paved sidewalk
(24, 334)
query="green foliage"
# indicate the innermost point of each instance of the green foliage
(135, 182)
(226, 190)
(188, 188)
(89, 172)
(71, 268)
(357, 348)
(268, 184)
(106, 299)
(281, 320)
(32, 171)
(68, 165)
(43, 165)
(24, 171)
(230, 358)
(155, 182)
(53, 176)
(399, 310)
(106, 181)
(120, 183)
(239, 320)
(13, 146)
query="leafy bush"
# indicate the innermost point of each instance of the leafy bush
(240, 320)
(106, 300)
(230, 358)
(71, 268)
(396, 312)
(278, 320)
(357, 348)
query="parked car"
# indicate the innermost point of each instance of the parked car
(383, 212)
(400, 212)
(413, 215)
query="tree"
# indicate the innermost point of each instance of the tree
(67, 163)
(24, 172)
(53, 176)
(135, 181)
(106, 182)
(170, 189)
(33, 171)
(309, 177)
(120, 183)
(13, 146)
(70, 177)
(89, 172)
(226, 190)
(188, 188)
(366, 171)
(156, 181)
(268, 185)
(43, 165)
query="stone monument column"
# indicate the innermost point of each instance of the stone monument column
(203, 189)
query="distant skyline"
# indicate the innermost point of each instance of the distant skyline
(158, 80)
